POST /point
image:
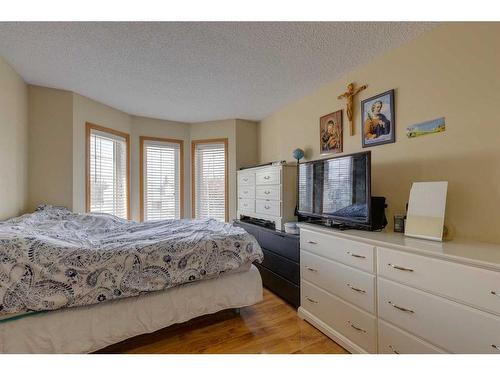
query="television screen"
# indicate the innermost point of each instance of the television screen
(336, 188)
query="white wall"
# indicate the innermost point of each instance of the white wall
(13, 143)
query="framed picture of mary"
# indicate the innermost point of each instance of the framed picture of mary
(377, 119)
(330, 133)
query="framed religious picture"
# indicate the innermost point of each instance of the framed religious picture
(330, 133)
(377, 120)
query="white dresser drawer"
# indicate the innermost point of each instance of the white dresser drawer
(271, 208)
(268, 177)
(348, 320)
(356, 287)
(246, 178)
(246, 205)
(471, 285)
(454, 327)
(271, 192)
(392, 340)
(352, 253)
(246, 191)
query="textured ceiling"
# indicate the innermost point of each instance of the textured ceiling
(195, 71)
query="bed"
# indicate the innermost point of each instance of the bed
(75, 283)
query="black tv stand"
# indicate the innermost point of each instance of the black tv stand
(342, 226)
(331, 224)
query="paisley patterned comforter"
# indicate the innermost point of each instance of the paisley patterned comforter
(54, 258)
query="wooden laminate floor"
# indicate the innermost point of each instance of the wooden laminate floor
(271, 326)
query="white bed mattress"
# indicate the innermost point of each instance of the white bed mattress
(89, 328)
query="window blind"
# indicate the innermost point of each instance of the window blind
(108, 173)
(162, 180)
(210, 180)
(337, 185)
(306, 187)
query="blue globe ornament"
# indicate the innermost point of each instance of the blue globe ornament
(298, 154)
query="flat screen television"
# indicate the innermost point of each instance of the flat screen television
(336, 189)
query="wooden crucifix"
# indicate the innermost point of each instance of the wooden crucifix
(348, 96)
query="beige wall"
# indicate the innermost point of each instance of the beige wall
(57, 144)
(452, 71)
(13, 143)
(143, 126)
(57, 122)
(87, 110)
(247, 153)
(50, 149)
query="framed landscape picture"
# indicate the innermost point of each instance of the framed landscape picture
(330, 133)
(377, 119)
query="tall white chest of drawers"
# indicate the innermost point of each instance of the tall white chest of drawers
(383, 293)
(268, 192)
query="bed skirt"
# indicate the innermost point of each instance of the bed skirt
(90, 328)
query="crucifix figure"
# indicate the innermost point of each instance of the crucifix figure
(348, 96)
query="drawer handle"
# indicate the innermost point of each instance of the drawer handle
(311, 300)
(311, 269)
(393, 350)
(312, 242)
(399, 267)
(495, 293)
(267, 177)
(401, 308)
(356, 328)
(267, 192)
(495, 346)
(245, 179)
(356, 255)
(267, 207)
(356, 289)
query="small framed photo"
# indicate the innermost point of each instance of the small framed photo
(377, 119)
(330, 133)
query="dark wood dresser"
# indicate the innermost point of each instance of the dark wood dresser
(280, 270)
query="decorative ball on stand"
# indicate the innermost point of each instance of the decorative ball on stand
(298, 154)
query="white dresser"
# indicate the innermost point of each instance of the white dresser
(375, 292)
(268, 192)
